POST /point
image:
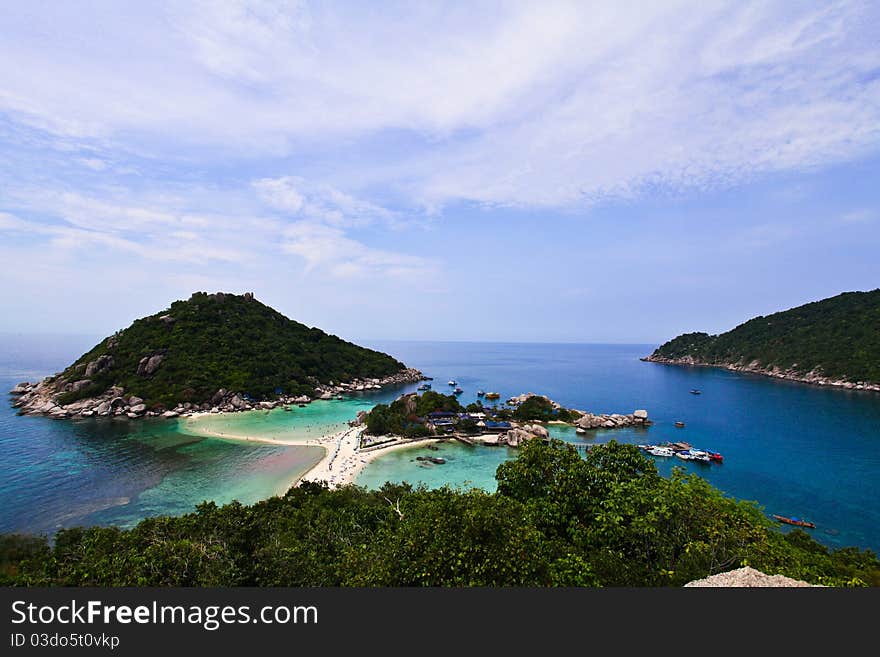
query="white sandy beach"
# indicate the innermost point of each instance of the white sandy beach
(342, 461)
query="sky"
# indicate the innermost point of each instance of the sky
(494, 171)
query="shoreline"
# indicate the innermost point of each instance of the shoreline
(343, 459)
(840, 384)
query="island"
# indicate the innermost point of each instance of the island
(210, 353)
(434, 415)
(832, 342)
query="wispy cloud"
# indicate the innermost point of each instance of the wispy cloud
(553, 104)
(297, 197)
(328, 249)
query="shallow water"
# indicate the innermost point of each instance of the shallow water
(797, 450)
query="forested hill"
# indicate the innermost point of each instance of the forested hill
(836, 339)
(211, 341)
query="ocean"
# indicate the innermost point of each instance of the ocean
(795, 449)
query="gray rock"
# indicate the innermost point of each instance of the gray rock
(641, 414)
(137, 409)
(170, 414)
(134, 401)
(149, 364)
(99, 365)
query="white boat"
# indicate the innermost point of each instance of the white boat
(580, 430)
(452, 382)
(660, 451)
(684, 456)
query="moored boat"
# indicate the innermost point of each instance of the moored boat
(696, 392)
(458, 391)
(451, 382)
(679, 424)
(480, 393)
(655, 450)
(493, 395)
(795, 521)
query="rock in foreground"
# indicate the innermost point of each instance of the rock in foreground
(748, 577)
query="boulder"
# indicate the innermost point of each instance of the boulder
(117, 402)
(99, 365)
(21, 388)
(170, 414)
(79, 385)
(237, 402)
(219, 396)
(103, 408)
(134, 401)
(137, 409)
(538, 430)
(149, 364)
(641, 414)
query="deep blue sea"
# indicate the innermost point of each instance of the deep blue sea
(795, 449)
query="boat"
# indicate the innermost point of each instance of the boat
(452, 382)
(339, 397)
(458, 391)
(424, 386)
(287, 408)
(480, 393)
(795, 521)
(655, 450)
(493, 395)
(580, 430)
(684, 455)
(679, 424)
(699, 455)
(696, 392)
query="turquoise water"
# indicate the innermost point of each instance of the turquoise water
(795, 449)
(118, 471)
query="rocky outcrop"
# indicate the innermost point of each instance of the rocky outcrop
(748, 577)
(43, 398)
(98, 365)
(813, 377)
(149, 364)
(612, 421)
(518, 435)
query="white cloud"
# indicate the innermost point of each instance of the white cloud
(549, 104)
(861, 216)
(327, 249)
(299, 198)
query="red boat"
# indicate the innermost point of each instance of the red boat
(795, 521)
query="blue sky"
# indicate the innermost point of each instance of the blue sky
(616, 172)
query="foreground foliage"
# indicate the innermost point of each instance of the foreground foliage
(556, 520)
(839, 337)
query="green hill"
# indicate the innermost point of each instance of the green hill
(836, 339)
(211, 341)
